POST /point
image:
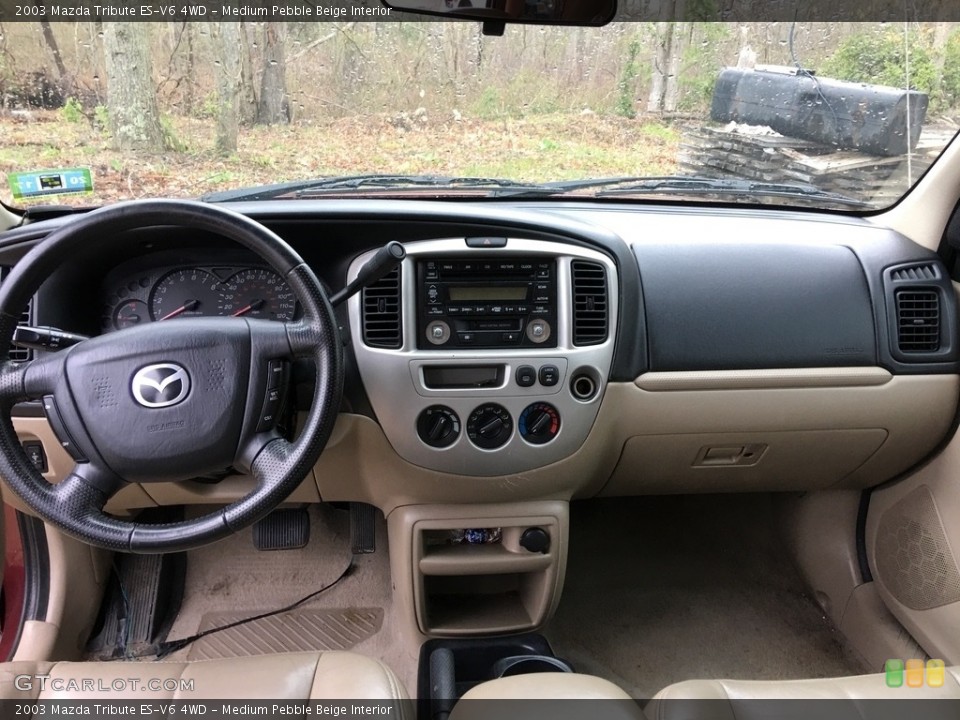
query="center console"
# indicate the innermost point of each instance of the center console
(487, 356)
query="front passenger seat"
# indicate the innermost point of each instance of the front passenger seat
(754, 699)
(286, 676)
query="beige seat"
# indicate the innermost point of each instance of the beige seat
(289, 676)
(688, 699)
(554, 693)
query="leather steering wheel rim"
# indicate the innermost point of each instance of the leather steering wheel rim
(278, 466)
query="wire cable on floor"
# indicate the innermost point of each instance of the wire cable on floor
(163, 649)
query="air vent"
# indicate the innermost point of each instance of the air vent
(20, 354)
(589, 303)
(916, 272)
(918, 320)
(382, 326)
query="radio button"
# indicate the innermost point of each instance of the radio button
(540, 310)
(438, 332)
(543, 273)
(523, 309)
(467, 338)
(509, 337)
(538, 331)
(433, 294)
(436, 310)
(526, 376)
(496, 310)
(431, 271)
(453, 309)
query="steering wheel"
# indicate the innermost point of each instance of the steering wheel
(167, 401)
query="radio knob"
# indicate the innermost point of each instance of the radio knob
(538, 331)
(438, 332)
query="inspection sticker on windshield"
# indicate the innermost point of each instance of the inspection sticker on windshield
(42, 183)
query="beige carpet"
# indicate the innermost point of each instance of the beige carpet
(663, 589)
(232, 579)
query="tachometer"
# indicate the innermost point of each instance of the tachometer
(259, 293)
(189, 292)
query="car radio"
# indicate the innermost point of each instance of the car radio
(498, 302)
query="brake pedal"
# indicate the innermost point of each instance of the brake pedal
(286, 529)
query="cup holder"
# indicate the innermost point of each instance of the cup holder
(526, 664)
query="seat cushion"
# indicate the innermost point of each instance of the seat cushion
(288, 676)
(731, 699)
(557, 695)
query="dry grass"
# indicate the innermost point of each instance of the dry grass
(534, 148)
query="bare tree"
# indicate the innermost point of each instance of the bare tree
(227, 41)
(131, 96)
(274, 105)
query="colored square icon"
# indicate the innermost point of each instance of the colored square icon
(935, 673)
(894, 672)
(914, 673)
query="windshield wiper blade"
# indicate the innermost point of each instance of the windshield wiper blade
(637, 185)
(309, 188)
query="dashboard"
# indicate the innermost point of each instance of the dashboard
(557, 350)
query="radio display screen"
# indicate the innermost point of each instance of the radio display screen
(469, 293)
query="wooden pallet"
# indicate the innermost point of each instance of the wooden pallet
(760, 154)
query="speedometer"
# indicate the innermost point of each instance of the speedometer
(259, 293)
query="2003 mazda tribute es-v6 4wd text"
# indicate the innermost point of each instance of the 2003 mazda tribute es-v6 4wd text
(485, 358)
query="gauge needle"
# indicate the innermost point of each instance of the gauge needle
(188, 305)
(254, 305)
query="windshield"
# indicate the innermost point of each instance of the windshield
(845, 116)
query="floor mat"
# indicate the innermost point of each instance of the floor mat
(299, 630)
(665, 589)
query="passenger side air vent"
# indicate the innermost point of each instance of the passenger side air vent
(918, 320)
(26, 317)
(382, 324)
(916, 272)
(590, 307)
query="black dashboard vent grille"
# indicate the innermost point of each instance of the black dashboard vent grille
(918, 320)
(20, 354)
(590, 306)
(927, 271)
(382, 324)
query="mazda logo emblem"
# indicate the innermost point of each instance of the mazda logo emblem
(160, 386)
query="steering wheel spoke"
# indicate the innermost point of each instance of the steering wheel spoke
(31, 379)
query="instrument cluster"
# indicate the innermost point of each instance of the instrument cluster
(168, 293)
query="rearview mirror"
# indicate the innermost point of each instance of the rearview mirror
(541, 12)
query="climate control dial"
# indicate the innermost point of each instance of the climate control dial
(438, 426)
(489, 426)
(539, 423)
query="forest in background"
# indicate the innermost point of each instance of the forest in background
(212, 105)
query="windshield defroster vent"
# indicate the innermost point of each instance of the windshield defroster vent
(918, 320)
(916, 272)
(382, 325)
(590, 306)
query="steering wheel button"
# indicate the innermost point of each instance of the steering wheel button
(60, 430)
(275, 370)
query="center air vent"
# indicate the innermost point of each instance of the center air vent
(918, 320)
(590, 306)
(382, 325)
